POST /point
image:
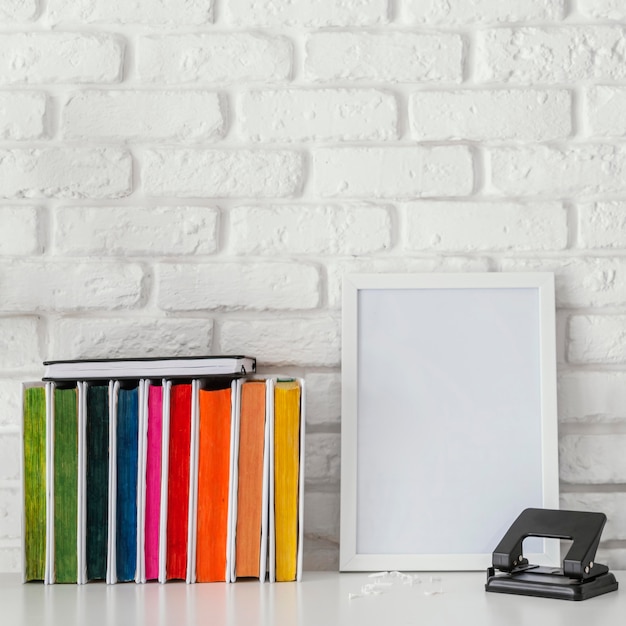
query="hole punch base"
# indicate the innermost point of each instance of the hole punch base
(549, 582)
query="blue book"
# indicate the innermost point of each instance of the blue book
(126, 490)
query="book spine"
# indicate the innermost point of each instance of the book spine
(97, 462)
(81, 546)
(213, 484)
(178, 481)
(65, 485)
(153, 480)
(49, 569)
(165, 459)
(114, 387)
(286, 477)
(140, 570)
(34, 472)
(193, 485)
(250, 483)
(127, 460)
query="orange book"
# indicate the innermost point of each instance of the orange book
(286, 475)
(250, 480)
(213, 484)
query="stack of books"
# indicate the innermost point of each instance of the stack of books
(162, 469)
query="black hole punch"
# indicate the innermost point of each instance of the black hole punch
(576, 580)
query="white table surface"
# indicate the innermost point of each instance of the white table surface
(321, 599)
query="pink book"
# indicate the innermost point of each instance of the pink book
(153, 480)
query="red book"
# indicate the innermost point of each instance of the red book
(178, 481)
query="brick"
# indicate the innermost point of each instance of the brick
(306, 13)
(10, 501)
(213, 58)
(19, 11)
(398, 172)
(10, 448)
(602, 225)
(256, 286)
(323, 398)
(321, 516)
(22, 115)
(139, 115)
(605, 111)
(580, 282)
(591, 397)
(389, 57)
(317, 229)
(76, 338)
(319, 115)
(597, 339)
(429, 12)
(603, 9)
(70, 286)
(19, 230)
(550, 55)
(592, 459)
(222, 173)
(565, 171)
(289, 341)
(170, 13)
(127, 230)
(65, 173)
(398, 265)
(42, 57)
(10, 403)
(469, 226)
(525, 115)
(613, 505)
(322, 458)
(19, 341)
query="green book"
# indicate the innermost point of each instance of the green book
(34, 432)
(97, 492)
(65, 485)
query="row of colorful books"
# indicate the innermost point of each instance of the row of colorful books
(138, 479)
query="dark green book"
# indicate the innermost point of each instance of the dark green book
(34, 432)
(65, 485)
(97, 488)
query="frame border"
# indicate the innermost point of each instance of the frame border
(350, 559)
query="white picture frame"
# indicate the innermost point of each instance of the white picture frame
(449, 418)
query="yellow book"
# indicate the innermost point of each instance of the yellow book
(286, 477)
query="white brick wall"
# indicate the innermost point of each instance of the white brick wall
(216, 58)
(60, 57)
(398, 172)
(479, 115)
(222, 173)
(134, 230)
(193, 176)
(393, 57)
(65, 172)
(125, 116)
(22, 115)
(318, 115)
